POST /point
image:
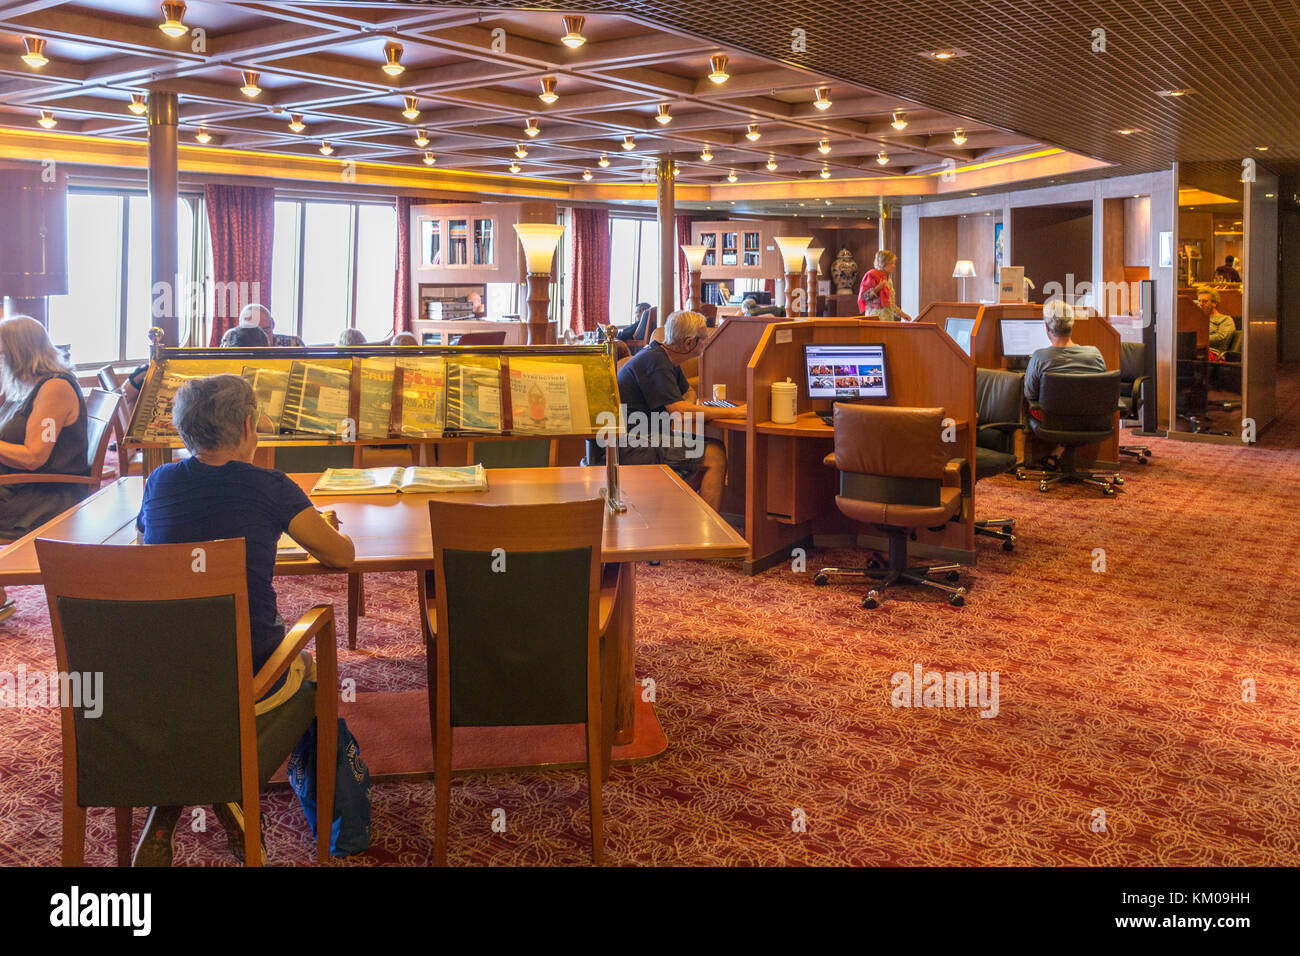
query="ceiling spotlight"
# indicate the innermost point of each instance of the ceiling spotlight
(573, 37)
(824, 147)
(35, 56)
(1181, 91)
(203, 136)
(548, 94)
(944, 55)
(823, 98)
(899, 123)
(1262, 149)
(429, 159)
(531, 128)
(826, 172)
(47, 120)
(629, 142)
(731, 176)
(521, 151)
(959, 136)
(173, 13)
(326, 149)
(1126, 132)
(771, 164)
(295, 122)
(586, 174)
(412, 110)
(677, 169)
(250, 87)
(661, 115)
(752, 133)
(393, 60)
(718, 68)
(515, 167)
(882, 158)
(138, 105)
(603, 162)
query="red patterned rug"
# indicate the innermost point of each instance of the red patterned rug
(1120, 692)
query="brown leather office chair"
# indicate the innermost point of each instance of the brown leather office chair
(1078, 409)
(893, 463)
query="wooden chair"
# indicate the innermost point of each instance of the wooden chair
(101, 407)
(177, 726)
(519, 644)
(113, 381)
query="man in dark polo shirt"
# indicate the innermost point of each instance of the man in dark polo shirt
(665, 422)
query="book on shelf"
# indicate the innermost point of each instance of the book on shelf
(375, 408)
(473, 398)
(418, 402)
(413, 479)
(317, 400)
(547, 398)
(270, 385)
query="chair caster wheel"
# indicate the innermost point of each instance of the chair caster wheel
(1009, 544)
(1144, 461)
(1108, 492)
(953, 577)
(1042, 486)
(1021, 476)
(1119, 481)
(821, 579)
(874, 563)
(871, 601)
(957, 600)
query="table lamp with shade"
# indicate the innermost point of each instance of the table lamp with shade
(792, 252)
(694, 264)
(812, 259)
(539, 240)
(963, 270)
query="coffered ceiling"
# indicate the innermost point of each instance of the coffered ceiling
(476, 76)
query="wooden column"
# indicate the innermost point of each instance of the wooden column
(791, 283)
(163, 191)
(696, 293)
(539, 308)
(811, 286)
(666, 179)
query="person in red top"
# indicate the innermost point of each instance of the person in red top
(876, 296)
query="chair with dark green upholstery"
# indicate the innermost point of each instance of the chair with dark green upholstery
(1133, 387)
(167, 628)
(518, 635)
(999, 398)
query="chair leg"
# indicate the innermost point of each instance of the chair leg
(441, 769)
(327, 745)
(74, 833)
(355, 608)
(123, 838)
(595, 773)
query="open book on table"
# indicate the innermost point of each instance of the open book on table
(412, 479)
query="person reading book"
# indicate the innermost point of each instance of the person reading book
(219, 493)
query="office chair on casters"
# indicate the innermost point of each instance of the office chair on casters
(892, 463)
(998, 398)
(1078, 409)
(1133, 393)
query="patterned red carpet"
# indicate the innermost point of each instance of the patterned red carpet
(1120, 691)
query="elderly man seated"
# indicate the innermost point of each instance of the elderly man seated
(255, 316)
(1062, 355)
(220, 493)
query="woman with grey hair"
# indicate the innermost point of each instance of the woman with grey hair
(351, 337)
(1062, 355)
(876, 296)
(219, 493)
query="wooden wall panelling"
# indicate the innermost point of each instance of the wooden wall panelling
(938, 254)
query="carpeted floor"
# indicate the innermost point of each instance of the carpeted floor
(1120, 691)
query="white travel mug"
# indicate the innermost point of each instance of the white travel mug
(785, 402)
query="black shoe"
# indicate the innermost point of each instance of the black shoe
(231, 817)
(156, 842)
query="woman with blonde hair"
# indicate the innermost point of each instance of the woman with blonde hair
(42, 430)
(876, 296)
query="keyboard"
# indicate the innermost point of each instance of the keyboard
(827, 417)
(718, 404)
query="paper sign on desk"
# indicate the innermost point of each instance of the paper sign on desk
(783, 336)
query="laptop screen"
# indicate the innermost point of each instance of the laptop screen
(1023, 337)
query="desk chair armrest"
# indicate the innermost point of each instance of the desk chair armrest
(39, 479)
(1005, 427)
(315, 623)
(961, 470)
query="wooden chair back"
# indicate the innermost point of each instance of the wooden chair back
(482, 338)
(101, 418)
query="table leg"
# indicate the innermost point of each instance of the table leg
(356, 607)
(622, 641)
(153, 457)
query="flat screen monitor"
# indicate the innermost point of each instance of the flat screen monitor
(760, 297)
(846, 372)
(959, 330)
(1023, 337)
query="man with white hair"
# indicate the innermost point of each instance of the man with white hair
(1062, 355)
(257, 316)
(652, 383)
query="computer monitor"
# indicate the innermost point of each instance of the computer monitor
(1023, 337)
(959, 330)
(846, 372)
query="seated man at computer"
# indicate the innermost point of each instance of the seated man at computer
(1222, 327)
(652, 383)
(1062, 355)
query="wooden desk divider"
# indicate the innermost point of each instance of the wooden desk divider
(563, 391)
(790, 491)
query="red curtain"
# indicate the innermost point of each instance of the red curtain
(589, 253)
(241, 220)
(402, 278)
(683, 272)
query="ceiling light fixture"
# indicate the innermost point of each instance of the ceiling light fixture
(959, 136)
(1126, 132)
(548, 94)
(752, 133)
(586, 174)
(899, 122)
(943, 54)
(882, 158)
(731, 176)
(203, 136)
(138, 104)
(771, 164)
(47, 120)
(326, 149)
(295, 122)
(718, 68)
(35, 52)
(826, 172)
(629, 142)
(521, 151)
(429, 159)
(412, 110)
(823, 98)
(824, 147)
(1181, 91)
(173, 14)
(515, 167)
(706, 155)
(393, 60)
(250, 87)
(531, 128)
(573, 37)
(662, 116)
(1262, 149)
(421, 138)
(603, 162)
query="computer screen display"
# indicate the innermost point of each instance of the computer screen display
(846, 371)
(1023, 337)
(959, 330)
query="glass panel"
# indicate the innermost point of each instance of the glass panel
(284, 268)
(457, 242)
(143, 306)
(482, 242)
(501, 299)
(710, 239)
(87, 317)
(752, 253)
(622, 270)
(376, 269)
(326, 271)
(648, 275)
(431, 242)
(729, 249)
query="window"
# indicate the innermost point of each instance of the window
(333, 267)
(633, 266)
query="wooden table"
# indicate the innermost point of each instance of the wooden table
(665, 520)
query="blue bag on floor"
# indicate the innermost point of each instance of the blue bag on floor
(350, 832)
